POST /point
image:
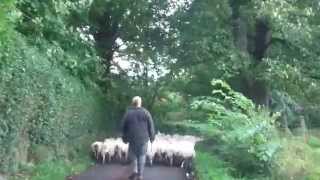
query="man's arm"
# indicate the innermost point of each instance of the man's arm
(151, 130)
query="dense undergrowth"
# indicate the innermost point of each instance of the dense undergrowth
(48, 98)
(209, 167)
(43, 104)
(242, 141)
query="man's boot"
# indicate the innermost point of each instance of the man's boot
(133, 176)
(139, 177)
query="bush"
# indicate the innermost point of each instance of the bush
(246, 134)
(296, 160)
(242, 139)
(314, 142)
(41, 101)
(209, 167)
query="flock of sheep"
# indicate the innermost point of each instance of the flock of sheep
(170, 150)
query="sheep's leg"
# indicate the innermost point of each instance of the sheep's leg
(103, 158)
(109, 157)
(151, 161)
(125, 157)
(170, 160)
(148, 159)
(161, 159)
(97, 156)
(182, 164)
(120, 155)
(167, 160)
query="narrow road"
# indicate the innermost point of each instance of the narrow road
(119, 172)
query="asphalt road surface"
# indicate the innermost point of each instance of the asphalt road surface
(121, 172)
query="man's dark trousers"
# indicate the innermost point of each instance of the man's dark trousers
(137, 154)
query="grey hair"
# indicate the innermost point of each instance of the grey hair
(136, 101)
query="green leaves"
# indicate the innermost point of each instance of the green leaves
(8, 16)
(247, 133)
(48, 81)
(211, 167)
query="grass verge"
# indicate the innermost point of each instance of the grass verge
(53, 170)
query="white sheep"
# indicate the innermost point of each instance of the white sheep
(183, 148)
(188, 153)
(174, 150)
(121, 150)
(104, 152)
(96, 148)
(151, 150)
(108, 149)
(125, 151)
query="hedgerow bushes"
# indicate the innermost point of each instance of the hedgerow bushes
(48, 96)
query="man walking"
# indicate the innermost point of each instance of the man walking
(137, 129)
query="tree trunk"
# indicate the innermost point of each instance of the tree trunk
(254, 88)
(239, 27)
(262, 39)
(105, 41)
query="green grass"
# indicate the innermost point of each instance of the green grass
(54, 170)
(58, 170)
(209, 167)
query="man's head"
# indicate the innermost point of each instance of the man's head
(136, 101)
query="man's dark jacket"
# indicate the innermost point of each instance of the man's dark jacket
(137, 126)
